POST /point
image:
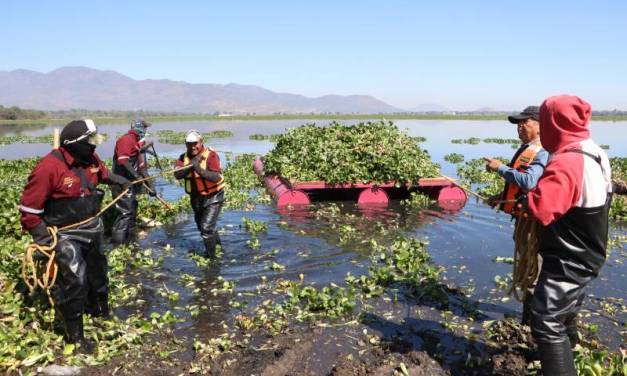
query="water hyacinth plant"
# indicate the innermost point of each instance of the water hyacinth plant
(366, 152)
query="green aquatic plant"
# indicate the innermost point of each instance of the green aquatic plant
(471, 141)
(173, 137)
(264, 137)
(454, 158)
(473, 174)
(365, 152)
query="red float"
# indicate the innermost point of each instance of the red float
(374, 195)
(286, 193)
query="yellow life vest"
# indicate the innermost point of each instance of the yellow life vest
(511, 192)
(203, 186)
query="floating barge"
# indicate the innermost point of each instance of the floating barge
(448, 195)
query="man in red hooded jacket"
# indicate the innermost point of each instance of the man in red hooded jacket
(571, 201)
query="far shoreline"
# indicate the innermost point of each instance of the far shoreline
(226, 118)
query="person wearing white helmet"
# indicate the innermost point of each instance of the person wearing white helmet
(62, 190)
(204, 182)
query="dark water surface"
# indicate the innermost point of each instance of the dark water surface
(465, 243)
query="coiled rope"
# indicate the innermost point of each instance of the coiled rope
(38, 266)
(526, 264)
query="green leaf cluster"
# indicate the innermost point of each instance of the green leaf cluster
(374, 152)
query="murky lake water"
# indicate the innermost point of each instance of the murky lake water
(465, 242)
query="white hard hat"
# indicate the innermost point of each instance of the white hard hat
(193, 136)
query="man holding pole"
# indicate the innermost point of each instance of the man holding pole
(204, 183)
(129, 160)
(61, 193)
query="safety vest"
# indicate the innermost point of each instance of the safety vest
(203, 186)
(511, 192)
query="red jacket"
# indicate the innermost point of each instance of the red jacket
(571, 179)
(53, 179)
(127, 147)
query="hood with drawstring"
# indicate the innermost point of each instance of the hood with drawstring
(578, 173)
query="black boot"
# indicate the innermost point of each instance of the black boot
(99, 306)
(210, 247)
(75, 334)
(557, 358)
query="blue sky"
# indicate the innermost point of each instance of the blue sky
(461, 54)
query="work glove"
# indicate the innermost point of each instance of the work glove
(120, 180)
(40, 234)
(146, 146)
(196, 161)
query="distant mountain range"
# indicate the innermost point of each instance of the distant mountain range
(91, 89)
(429, 107)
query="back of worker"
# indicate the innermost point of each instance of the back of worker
(571, 201)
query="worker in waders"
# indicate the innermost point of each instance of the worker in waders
(129, 160)
(61, 190)
(204, 183)
(571, 202)
(522, 173)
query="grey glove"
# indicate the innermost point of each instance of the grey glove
(196, 161)
(131, 170)
(118, 179)
(146, 146)
(40, 234)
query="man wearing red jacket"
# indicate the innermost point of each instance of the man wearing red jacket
(204, 183)
(61, 190)
(129, 161)
(571, 201)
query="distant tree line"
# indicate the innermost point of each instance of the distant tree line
(16, 113)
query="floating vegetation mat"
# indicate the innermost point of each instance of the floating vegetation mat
(366, 152)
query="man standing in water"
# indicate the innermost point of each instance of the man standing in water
(129, 160)
(522, 173)
(571, 201)
(204, 183)
(61, 191)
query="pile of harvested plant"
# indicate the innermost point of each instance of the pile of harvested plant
(366, 152)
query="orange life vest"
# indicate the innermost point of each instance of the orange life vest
(203, 186)
(511, 192)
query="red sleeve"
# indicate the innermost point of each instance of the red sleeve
(213, 164)
(125, 148)
(103, 173)
(36, 192)
(558, 189)
(179, 162)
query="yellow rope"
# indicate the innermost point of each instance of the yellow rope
(526, 267)
(31, 268)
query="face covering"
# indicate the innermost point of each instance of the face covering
(82, 151)
(140, 129)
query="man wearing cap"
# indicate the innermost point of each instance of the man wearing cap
(522, 173)
(571, 202)
(61, 190)
(129, 160)
(204, 183)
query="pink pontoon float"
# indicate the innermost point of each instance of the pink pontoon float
(291, 193)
